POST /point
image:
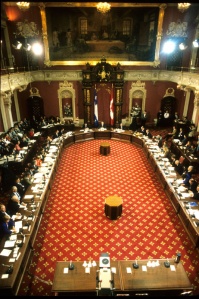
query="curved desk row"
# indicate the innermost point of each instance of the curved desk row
(15, 256)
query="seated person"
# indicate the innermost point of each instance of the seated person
(159, 140)
(172, 134)
(184, 140)
(192, 132)
(192, 185)
(20, 186)
(142, 130)
(180, 135)
(14, 202)
(27, 180)
(4, 213)
(148, 134)
(187, 176)
(179, 167)
(188, 146)
(7, 226)
(195, 194)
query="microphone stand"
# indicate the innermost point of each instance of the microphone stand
(10, 268)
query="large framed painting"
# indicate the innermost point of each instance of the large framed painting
(75, 33)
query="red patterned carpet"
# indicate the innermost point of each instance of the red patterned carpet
(74, 226)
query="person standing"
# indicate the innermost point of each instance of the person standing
(159, 118)
(143, 118)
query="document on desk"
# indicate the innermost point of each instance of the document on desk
(18, 225)
(65, 270)
(87, 270)
(5, 252)
(185, 194)
(172, 267)
(28, 196)
(9, 244)
(128, 270)
(144, 268)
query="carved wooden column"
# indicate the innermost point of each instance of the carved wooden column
(87, 106)
(195, 116)
(118, 106)
(6, 110)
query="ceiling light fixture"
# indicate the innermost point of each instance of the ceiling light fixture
(103, 7)
(183, 6)
(23, 5)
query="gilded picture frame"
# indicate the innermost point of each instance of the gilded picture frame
(76, 33)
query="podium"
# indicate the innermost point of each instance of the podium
(113, 207)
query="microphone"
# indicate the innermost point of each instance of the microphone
(10, 268)
(71, 266)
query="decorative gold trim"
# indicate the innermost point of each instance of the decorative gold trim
(50, 63)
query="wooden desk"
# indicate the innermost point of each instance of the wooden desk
(9, 286)
(113, 207)
(157, 280)
(77, 281)
(104, 148)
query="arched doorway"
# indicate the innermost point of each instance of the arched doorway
(66, 95)
(137, 101)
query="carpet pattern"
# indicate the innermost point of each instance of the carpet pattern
(74, 226)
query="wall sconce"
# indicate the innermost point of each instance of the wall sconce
(103, 7)
(27, 47)
(182, 46)
(17, 45)
(183, 6)
(196, 43)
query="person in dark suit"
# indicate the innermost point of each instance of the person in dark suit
(192, 185)
(4, 213)
(142, 130)
(14, 202)
(159, 118)
(56, 134)
(180, 135)
(148, 134)
(20, 186)
(195, 194)
(179, 167)
(187, 176)
(143, 118)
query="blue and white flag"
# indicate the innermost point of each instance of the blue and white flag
(95, 109)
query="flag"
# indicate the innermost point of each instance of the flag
(111, 109)
(95, 109)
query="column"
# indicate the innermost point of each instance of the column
(6, 102)
(87, 106)
(195, 116)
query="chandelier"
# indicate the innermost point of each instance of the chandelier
(103, 7)
(23, 5)
(183, 6)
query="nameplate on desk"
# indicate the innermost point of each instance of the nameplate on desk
(65, 270)
(173, 268)
(144, 268)
(87, 270)
(128, 270)
(4, 276)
